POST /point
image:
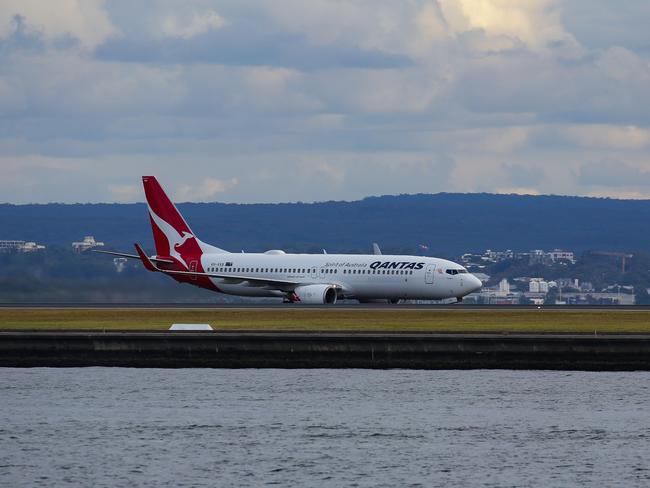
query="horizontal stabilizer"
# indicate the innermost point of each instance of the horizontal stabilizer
(133, 256)
(148, 264)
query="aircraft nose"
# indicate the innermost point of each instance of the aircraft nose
(473, 283)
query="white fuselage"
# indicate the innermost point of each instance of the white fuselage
(364, 277)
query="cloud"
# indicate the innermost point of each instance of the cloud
(609, 136)
(125, 193)
(294, 100)
(206, 190)
(192, 25)
(598, 24)
(229, 46)
(21, 37)
(522, 176)
(608, 173)
(83, 20)
(534, 23)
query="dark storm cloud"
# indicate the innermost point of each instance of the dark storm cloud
(229, 47)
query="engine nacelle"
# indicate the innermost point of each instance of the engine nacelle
(315, 294)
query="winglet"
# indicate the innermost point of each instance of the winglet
(148, 264)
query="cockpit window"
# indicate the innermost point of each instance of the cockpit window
(456, 271)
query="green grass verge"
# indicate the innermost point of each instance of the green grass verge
(297, 319)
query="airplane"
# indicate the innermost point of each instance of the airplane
(297, 278)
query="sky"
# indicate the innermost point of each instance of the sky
(287, 100)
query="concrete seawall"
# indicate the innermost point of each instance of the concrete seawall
(328, 350)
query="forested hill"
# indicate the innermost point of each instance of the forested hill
(448, 224)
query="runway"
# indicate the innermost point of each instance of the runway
(338, 306)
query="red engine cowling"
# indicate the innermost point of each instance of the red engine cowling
(315, 294)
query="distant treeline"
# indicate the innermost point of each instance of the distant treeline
(448, 224)
(58, 275)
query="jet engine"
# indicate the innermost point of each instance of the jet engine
(315, 294)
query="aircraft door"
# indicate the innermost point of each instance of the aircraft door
(428, 274)
(193, 265)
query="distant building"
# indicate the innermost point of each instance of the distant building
(568, 283)
(120, 264)
(89, 242)
(538, 285)
(559, 255)
(534, 256)
(20, 246)
(496, 256)
(504, 286)
(586, 286)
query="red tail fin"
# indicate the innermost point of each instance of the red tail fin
(172, 236)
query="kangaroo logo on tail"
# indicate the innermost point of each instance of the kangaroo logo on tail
(172, 235)
(175, 241)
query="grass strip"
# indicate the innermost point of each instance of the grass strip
(297, 319)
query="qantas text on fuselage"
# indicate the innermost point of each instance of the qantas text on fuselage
(300, 278)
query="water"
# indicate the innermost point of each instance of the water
(151, 427)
